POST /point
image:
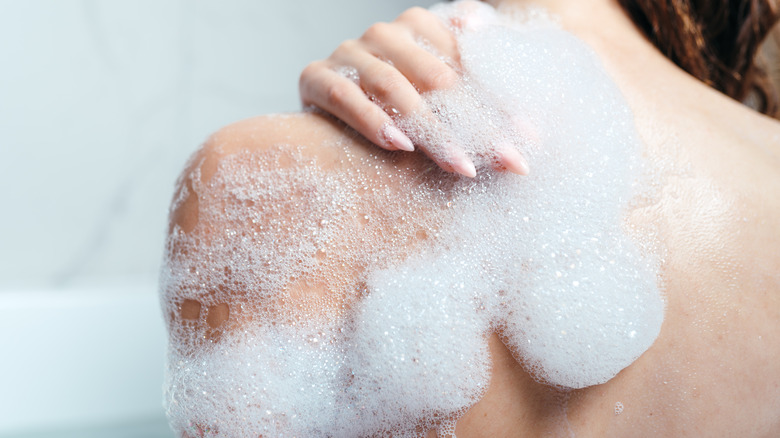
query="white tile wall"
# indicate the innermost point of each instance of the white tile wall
(102, 101)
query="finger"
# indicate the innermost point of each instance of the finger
(389, 88)
(401, 100)
(380, 80)
(322, 87)
(399, 45)
(433, 138)
(423, 69)
(427, 26)
(414, 69)
(392, 91)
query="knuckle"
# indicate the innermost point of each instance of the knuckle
(438, 78)
(387, 86)
(310, 71)
(335, 95)
(310, 79)
(345, 48)
(377, 31)
(414, 14)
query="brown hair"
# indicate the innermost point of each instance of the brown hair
(716, 41)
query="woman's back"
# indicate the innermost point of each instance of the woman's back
(710, 214)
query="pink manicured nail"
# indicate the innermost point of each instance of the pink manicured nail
(462, 165)
(514, 161)
(398, 139)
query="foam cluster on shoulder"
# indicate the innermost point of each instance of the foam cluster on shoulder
(360, 299)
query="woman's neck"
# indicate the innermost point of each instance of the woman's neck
(604, 19)
(604, 25)
(643, 73)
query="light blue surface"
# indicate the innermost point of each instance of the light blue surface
(80, 357)
(148, 428)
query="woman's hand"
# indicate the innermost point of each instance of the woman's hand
(368, 81)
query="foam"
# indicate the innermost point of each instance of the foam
(361, 297)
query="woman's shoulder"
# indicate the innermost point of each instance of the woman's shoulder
(278, 140)
(241, 221)
(307, 131)
(293, 191)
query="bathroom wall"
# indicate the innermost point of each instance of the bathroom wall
(101, 102)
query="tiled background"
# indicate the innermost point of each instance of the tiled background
(101, 102)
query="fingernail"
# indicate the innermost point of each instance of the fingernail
(398, 139)
(514, 161)
(464, 166)
(523, 167)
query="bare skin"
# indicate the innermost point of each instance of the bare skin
(714, 369)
